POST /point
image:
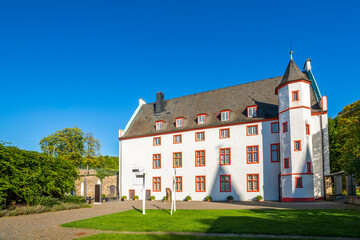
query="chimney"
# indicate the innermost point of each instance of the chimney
(307, 65)
(159, 105)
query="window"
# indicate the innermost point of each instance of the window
(285, 127)
(156, 161)
(252, 153)
(307, 129)
(178, 184)
(156, 184)
(295, 96)
(286, 163)
(201, 119)
(157, 141)
(200, 185)
(225, 156)
(275, 152)
(251, 130)
(177, 139)
(298, 182)
(225, 115)
(274, 127)
(200, 158)
(251, 111)
(253, 182)
(199, 136)
(159, 125)
(297, 145)
(308, 167)
(224, 133)
(177, 159)
(179, 122)
(225, 183)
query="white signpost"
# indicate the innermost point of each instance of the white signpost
(173, 194)
(142, 174)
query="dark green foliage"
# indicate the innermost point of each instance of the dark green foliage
(103, 173)
(72, 199)
(45, 201)
(2, 203)
(24, 175)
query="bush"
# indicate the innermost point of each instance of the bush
(152, 198)
(208, 198)
(164, 198)
(45, 201)
(188, 198)
(2, 203)
(123, 197)
(103, 195)
(230, 198)
(259, 197)
(136, 197)
(72, 199)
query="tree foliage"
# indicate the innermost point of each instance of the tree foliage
(91, 150)
(344, 133)
(24, 175)
(68, 143)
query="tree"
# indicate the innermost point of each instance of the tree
(67, 143)
(92, 148)
(344, 132)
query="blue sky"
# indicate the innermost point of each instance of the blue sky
(86, 63)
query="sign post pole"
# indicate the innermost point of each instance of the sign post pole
(144, 193)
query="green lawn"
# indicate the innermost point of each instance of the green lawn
(116, 236)
(344, 223)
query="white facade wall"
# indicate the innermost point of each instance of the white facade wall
(138, 153)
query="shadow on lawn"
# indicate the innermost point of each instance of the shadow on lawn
(296, 222)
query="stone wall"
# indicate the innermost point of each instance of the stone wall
(109, 185)
(353, 200)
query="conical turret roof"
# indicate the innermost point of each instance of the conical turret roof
(292, 73)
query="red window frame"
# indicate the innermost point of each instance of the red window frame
(286, 163)
(297, 96)
(182, 122)
(223, 130)
(308, 167)
(252, 180)
(252, 152)
(297, 141)
(247, 130)
(177, 158)
(307, 129)
(225, 181)
(178, 182)
(253, 106)
(221, 116)
(161, 126)
(277, 150)
(199, 156)
(278, 128)
(296, 182)
(285, 127)
(196, 139)
(225, 154)
(157, 159)
(176, 136)
(156, 180)
(198, 122)
(154, 141)
(200, 181)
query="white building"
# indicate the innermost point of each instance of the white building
(267, 138)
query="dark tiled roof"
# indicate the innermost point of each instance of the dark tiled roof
(236, 98)
(292, 73)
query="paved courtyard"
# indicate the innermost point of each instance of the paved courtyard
(46, 225)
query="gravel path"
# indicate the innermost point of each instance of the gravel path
(46, 225)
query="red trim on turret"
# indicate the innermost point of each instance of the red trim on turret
(294, 108)
(319, 113)
(311, 199)
(287, 83)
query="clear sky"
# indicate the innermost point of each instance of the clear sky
(86, 63)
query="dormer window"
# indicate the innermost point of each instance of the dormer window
(225, 115)
(201, 119)
(179, 122)
(159, 125)
(252, 111)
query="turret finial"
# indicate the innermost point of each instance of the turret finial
(291, 52)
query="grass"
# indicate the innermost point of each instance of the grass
(341, 223)
(25, 210)
(117, 236)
